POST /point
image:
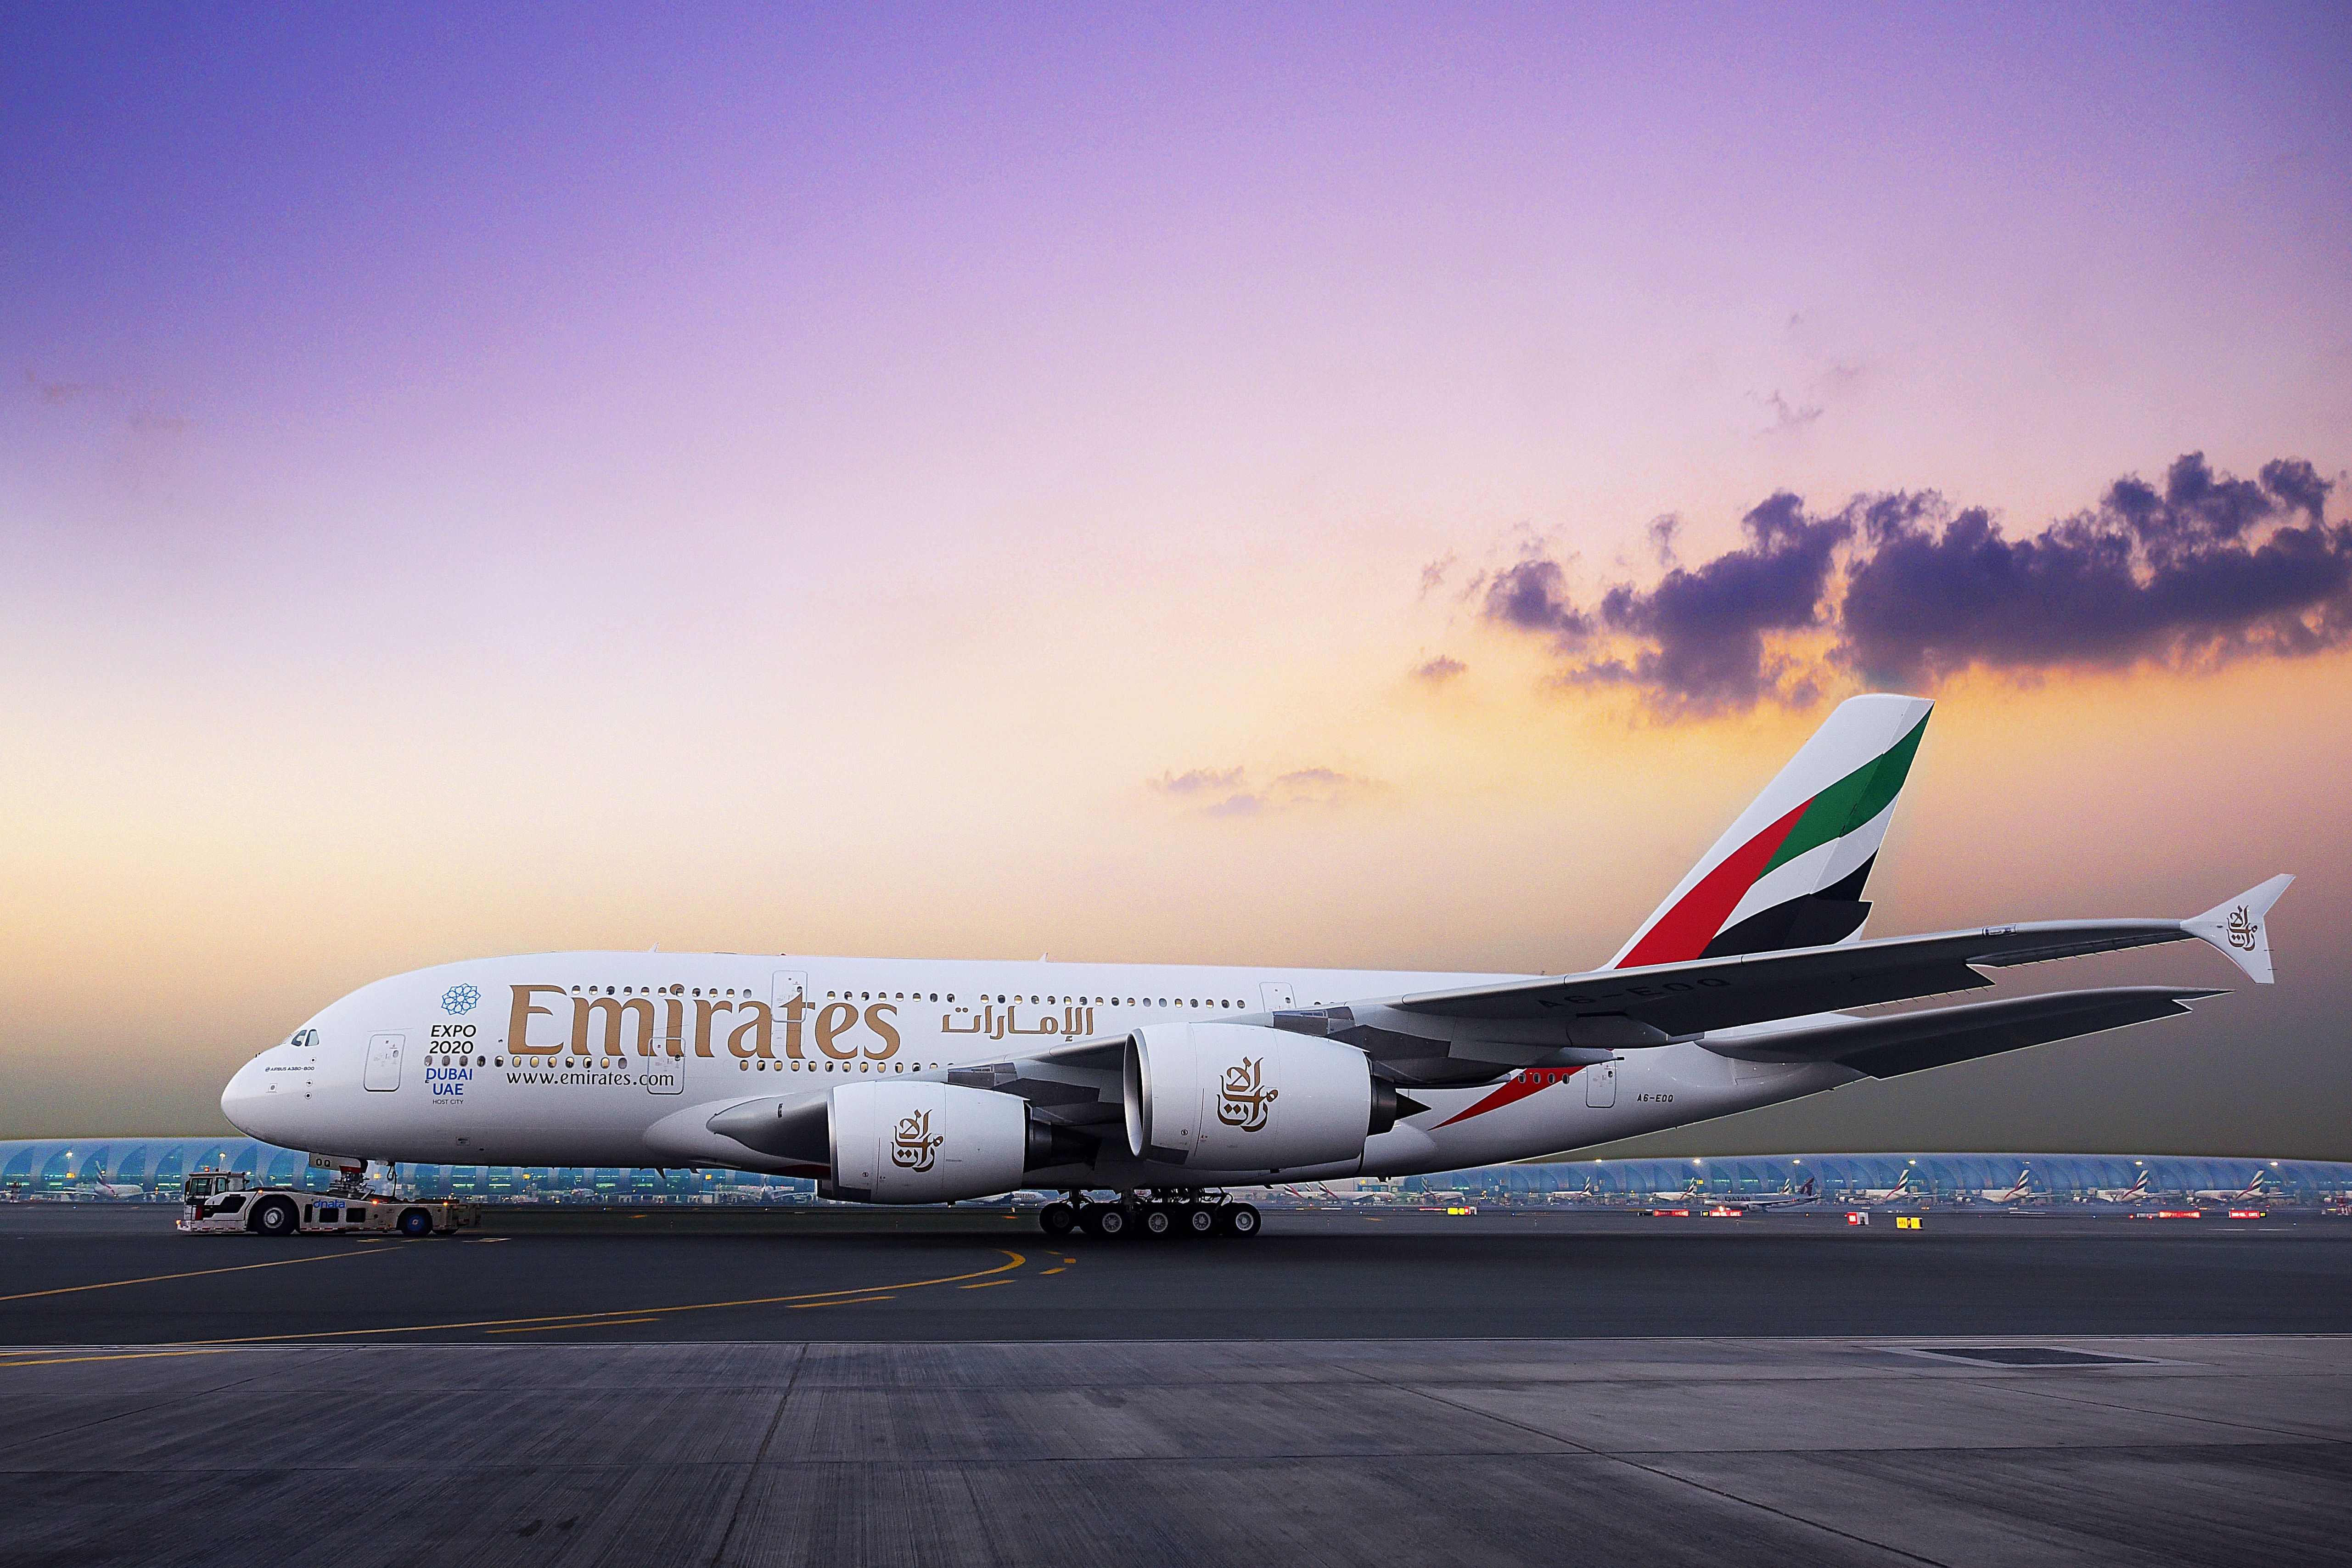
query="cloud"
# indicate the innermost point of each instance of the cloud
(1900, 589)
(68, 391)
(1298, 789)
(1439, 670)
(2208, 568)
(1199, 781)
(1532, 596)
(1695, 640)
(1786, 416)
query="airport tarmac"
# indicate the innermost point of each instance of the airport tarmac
(972, 1273)
(846, 1387)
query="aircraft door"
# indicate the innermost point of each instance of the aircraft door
(789, 983)
(1601, 1085)
(384, 1061)
(1276, 994)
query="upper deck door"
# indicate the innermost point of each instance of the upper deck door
(1601, 1085)
(789, 983)
(384, 1061)
(1276, 994)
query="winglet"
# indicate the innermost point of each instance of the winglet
(2240, 927)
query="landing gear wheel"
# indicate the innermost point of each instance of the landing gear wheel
(415, 1222)
(1104, 1220)
(1197, 1219)
(1156, 1221)
(1057, 1218)
(1237, 1219)
(274, 1217)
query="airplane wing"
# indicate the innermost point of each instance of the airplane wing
(1657, 1002)
(1909, 1042)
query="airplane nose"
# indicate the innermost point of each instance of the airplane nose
(242, 1101)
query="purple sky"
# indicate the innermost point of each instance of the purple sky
(499, 478)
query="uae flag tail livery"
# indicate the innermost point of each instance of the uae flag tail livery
(1789, 873)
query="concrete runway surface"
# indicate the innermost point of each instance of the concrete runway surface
(837, 1388)
(121, 1274)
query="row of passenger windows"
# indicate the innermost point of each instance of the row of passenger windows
(1050, 1001)
(901, 996)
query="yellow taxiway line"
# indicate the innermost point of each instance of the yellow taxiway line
(589, 1320)
(190, 1274)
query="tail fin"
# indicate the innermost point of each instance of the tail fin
(1790, 871)
(2241, 928)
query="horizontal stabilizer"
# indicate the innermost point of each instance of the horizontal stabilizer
(2239, 927)
(1908, 1042)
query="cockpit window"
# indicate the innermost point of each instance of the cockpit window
(305, 1039)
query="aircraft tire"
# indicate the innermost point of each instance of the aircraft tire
(1155, 1221)
(1103, 1220)
(1057, 1218)
(272, 1216)
(415, 1222)
(1197, 1219)
(1238, 1219)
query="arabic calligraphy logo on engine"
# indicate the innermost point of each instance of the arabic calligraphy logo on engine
(1244, 1095)
(913, 1145)
(2242, 928)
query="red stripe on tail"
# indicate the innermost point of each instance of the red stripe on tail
(1684, 932)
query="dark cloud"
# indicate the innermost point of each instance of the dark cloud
(1439, 670)
(1533, 597)
(2207, 567)
(2199, 568)
(1698, 635)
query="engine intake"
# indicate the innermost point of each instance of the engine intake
(1243, 1098)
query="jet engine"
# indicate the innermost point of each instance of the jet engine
(910, 1143)
(1238, 1097)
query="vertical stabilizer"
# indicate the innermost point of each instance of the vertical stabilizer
(1789, 873)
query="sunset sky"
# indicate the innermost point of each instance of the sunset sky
(1341, 487)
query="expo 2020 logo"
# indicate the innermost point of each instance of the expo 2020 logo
(459, 998)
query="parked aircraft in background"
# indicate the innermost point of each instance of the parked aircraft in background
(1794, 1191)
(2136, 1193)
(2021, 1190)
(2255, 1191)
(905, 1081)
(1904, 1187)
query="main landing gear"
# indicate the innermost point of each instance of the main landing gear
(1188, 1215)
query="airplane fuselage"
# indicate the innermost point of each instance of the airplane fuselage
(621, 1058)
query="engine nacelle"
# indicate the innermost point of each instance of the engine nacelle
(1242, 1098)
(922, 1142)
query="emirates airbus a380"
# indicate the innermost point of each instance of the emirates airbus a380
(914, 1081)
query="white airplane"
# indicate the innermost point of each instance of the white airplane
(2018, 1191)
(2136, 1193)
(1901, 1190)
(2260, 1188)
(911, 1081)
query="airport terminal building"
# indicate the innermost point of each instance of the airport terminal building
(152, 1168)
